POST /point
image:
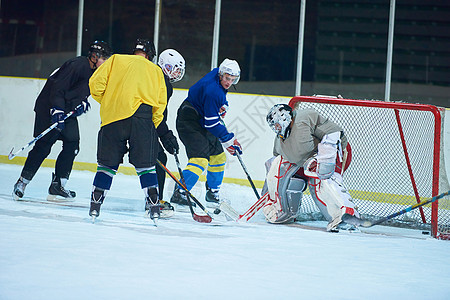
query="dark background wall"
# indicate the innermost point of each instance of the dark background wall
(345, 42)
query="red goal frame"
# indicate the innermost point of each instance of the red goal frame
(397, 106)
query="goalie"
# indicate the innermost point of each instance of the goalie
(309, 150)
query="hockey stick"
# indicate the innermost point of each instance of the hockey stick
(201, 219)
(188, 194)
(248, 176)
(366, 223)
(243, 166)
(230, 212)
(12, 155)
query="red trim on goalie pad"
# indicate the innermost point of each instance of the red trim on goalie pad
(315, 192)
(350, 211)
(347, 161)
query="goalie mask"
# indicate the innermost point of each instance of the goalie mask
(231, 67)
(172, 64)
(279, 119)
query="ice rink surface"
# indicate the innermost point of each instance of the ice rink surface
(50, 251)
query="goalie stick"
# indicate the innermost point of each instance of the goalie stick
(367, 223)
(11, 155)
(198, 218)
(233, 214)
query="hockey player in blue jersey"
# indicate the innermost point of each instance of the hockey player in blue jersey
(203, 134)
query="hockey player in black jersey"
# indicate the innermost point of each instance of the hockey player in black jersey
(173, 65)
(65, 89)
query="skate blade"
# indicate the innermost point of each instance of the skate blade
(15, 197)
(57, 198)
(166, 214)
(212, 205)
(182, 208)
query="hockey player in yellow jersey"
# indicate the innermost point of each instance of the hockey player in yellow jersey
(132, 94)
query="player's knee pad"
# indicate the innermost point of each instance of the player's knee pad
(104, 176)
(195, 167)
(216, 168)
(285, 192)
(147, 177)
(218, 161)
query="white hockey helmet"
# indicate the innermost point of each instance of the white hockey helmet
(231, 67)
(279, 119)
(172, 64)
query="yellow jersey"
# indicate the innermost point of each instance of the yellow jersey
(123, 83)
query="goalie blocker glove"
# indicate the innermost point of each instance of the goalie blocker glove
(326, 155)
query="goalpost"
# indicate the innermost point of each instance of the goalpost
(397, 159)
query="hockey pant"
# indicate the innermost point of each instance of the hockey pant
(285, 191)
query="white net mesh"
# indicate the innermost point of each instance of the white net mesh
(393, 164)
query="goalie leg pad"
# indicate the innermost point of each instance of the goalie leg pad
(332, 198)
(285, 192)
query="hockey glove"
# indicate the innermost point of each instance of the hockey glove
(57, 117)
(82, 108)
(326, 161)
(326, 155)
(233, 146)
(170, 143)
(223, 111)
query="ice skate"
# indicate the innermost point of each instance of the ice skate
(57, 192)
(347, 227)
(212, 197)
(19, 188)
(97, 198)
(179, 198)
(333, 225)
(167, 210)
(153, 205)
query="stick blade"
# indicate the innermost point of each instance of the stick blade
(202, 219)
(11, 154)
(229, 211)
(349, 219)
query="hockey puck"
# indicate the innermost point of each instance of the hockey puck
(425, 232)
(217, 211)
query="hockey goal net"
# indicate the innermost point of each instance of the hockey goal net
(397, 160)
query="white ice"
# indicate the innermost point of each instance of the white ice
(55, 252)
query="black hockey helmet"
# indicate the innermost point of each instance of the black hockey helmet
(145, 46)
(101, 48)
